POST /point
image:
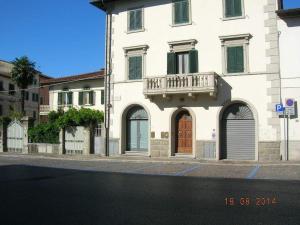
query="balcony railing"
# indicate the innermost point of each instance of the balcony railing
(44, 109)
(191, 84)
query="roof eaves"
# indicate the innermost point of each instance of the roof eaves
(288, 13)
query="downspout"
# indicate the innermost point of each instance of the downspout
(107, 79)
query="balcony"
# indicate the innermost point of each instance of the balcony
(44, 109)
(190, 84)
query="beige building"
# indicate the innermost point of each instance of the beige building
(77, 91)
(193, 78)
(10, 95)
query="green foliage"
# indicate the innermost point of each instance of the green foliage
(44, 133)
(15, 115)
(5, 120)
(54, 115)
(49, 132)
(23, 72)
(83, 117)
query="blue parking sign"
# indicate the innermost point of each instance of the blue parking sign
(279, 108)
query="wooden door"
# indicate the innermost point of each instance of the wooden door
(184, 133)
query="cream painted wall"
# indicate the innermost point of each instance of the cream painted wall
(206, 27)
(76, 87)
(290, 71)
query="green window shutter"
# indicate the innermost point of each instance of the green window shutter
(237, 7)
(181, 11)
(70, 98)
(229, 8)
(135, 67)
(80, 100)
(59, 99)
(193, 58)
(171, 68)
(132, 20)
(91, 98)
(235, 59)
(102, 97)
(240, 59)
(233, 8)
(139, 67)
(138, 19)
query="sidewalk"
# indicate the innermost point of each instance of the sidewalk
(141, 159)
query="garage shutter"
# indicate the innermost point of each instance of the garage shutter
(239, 140)
(238, 133)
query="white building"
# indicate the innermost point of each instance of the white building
(289, 36)
(194, 78)
(10, 95)
(84, 90)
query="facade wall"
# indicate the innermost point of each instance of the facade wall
(290, 73)
(12, 102)
(96, 85)
(256, 88)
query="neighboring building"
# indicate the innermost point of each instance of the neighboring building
(289, 28)
(85, 90)
(44, 99)
(10, 95)
(193, 78)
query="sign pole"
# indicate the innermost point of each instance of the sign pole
(287, 137)
(285, 149)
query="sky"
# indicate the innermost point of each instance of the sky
(63, 37)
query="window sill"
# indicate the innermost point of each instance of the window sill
(233, 18)
(135, 31)
(181, 24)
(236, 74)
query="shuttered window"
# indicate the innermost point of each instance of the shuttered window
(86, 98)
(233, 8)
(65, 98)
(181, 11)
(102, 97)
(135, 67)
(135, 20)
(183, 62)
(235, 59)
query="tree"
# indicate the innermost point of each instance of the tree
(23, 73)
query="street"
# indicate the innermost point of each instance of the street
(43, 195)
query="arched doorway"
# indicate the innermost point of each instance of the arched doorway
(183, 133)
(137, 138)
(238, 133)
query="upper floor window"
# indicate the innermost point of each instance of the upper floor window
(86, 98)
(235, 53)
(183, 58)
(11, 89)
(135, 67)
(35, 97)
(135, 57)
(26, 95)
(135, 20)
(102, 97)
(235, 59)
(181, 12)
(233, 8)
(1, 86)
(65, 98)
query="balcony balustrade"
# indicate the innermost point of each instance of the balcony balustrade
(190, 84)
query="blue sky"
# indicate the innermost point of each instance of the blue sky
(63, 37)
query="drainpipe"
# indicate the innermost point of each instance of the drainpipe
(107, 78)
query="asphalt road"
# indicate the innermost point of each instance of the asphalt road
(42, 196)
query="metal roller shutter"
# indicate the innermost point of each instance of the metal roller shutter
(238, 133)
(239, 140)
